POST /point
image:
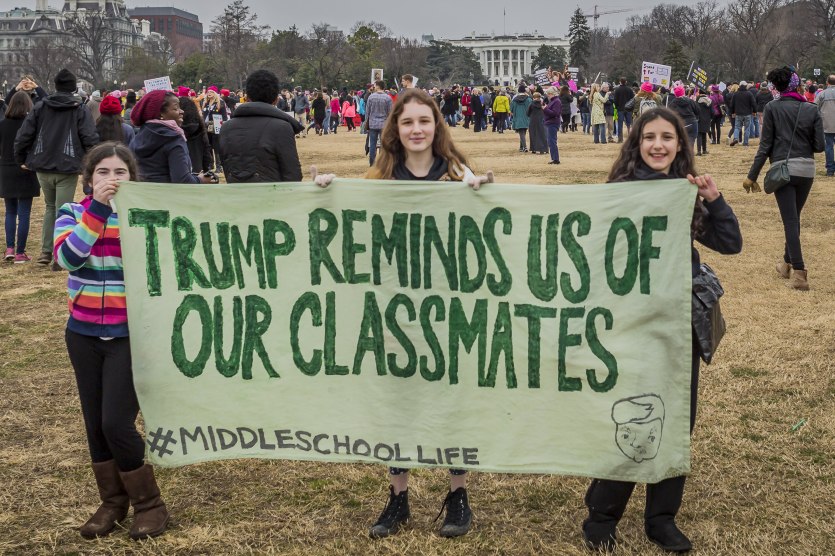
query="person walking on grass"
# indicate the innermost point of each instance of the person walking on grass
(519, 112)
(52, 142)
(377, 109)
(598, 116)
(87, 245)
(536, 126)
(417, 145)
(826, 104)
(792, 132)
(658, 148)
(17, 186)
(743, 108)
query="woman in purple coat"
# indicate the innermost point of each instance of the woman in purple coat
(553, 116)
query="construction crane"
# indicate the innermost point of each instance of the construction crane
(596, 14)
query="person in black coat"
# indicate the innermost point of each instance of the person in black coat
(197, 139)
(478, 111)
(17, 186)
(714, 226)
(687, 110)
(705, 105)
(259, 143)
(52, 142)
(743, 108)
(536, 126)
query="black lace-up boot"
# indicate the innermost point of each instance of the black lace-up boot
(395, 515)
(459, 517)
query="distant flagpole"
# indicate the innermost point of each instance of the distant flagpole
(504, 22)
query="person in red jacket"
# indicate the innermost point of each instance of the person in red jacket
(466, 107)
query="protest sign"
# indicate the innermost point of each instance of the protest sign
(376, 75)
(657, 74)
(574, 72)
(158, 84)
(697, 76)
(816, 71)
(217, 122)
(414, 324)
(541, 76)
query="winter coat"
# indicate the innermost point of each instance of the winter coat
(705, 113)
(476, 105)
(501, 105)
(565, 100)
(319, 107)
(536, 127)
(210, 110)
(162, 155)
(597, 114)
(519, 111)
(300, 103)
(743, 104)
(55, 135)
(622, 94)
(348, 110)
(199, 148)
(717, 101)
(686, 108)
(553, 111)
(778, 128)
(466, 104)
(609, 105)
(826, 104)
(258, 145)
(15, 182)
(642, 96)
(763, 98)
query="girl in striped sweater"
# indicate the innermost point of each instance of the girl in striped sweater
(87, 245)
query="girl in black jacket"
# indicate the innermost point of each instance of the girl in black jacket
(657, 148)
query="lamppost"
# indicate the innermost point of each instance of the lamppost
(5, 91)
(200, 84)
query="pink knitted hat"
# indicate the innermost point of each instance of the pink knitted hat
(678, 91)
(646, 87)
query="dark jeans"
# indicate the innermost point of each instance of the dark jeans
(607, 499)
(522, 145)
(499, 120)
(108, 400)
(551, 134)
(17, 212)
(692, 129)
(624, 116)
(790, 201)
(566, 119)
(373, 135)
(599, 131)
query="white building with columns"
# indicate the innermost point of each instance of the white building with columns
(507, 58)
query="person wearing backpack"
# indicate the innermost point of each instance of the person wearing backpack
(717, 104)
(645, 99)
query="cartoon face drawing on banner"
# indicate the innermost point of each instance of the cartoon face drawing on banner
(640, 422)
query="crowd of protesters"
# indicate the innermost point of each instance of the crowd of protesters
(51, 142)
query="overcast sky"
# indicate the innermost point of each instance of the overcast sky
(449, 19)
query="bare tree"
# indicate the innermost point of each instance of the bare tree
(94, 40)
(328, 52)
(236, 35)
(46, 56)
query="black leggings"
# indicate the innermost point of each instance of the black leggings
(716, 129)
(790, 201)
(701, 142)
(400, 471)
(606, 499)
(108, 400)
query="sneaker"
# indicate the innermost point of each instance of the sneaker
(394, 516)
(45, 258)
(669, 537)
(733, 142)
(9, 254)
(459, 517)
(21, 258)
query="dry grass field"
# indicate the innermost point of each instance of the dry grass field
(763, 449)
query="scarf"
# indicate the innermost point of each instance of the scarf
(793, 94)
(169, 124)
(437, 172)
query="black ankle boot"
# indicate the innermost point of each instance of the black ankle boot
(669, 537)
(395, 515)
(459, 517)
(606, 501)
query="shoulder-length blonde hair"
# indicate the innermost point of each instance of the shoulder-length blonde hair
(392, 151)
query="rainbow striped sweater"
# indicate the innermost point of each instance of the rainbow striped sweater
(87, 244)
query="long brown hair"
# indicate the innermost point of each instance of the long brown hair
(630, 155)
(19, 105)
(392, 151)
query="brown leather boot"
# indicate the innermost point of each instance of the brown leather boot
(799, 280)
(150, 516)
(114, 501)
(784, 270)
